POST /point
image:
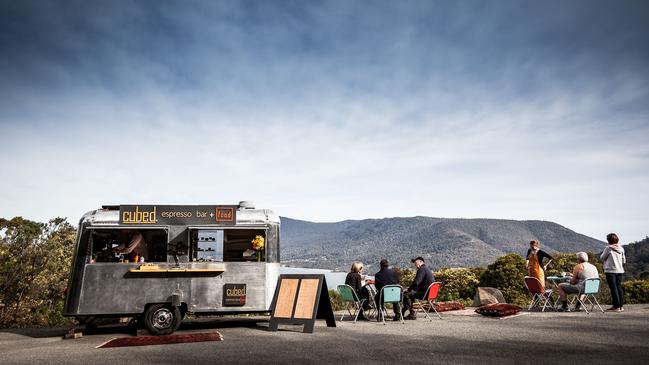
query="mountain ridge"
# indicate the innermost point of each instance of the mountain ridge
(444, 242)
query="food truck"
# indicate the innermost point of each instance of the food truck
(155, 263)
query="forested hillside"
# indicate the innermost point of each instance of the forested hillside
(443, 242)
(637, 259)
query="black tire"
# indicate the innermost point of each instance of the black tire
(162, 319)
(89, 323)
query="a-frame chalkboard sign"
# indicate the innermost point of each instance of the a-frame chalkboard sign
(300, 300)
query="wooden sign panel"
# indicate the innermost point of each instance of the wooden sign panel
(301, 299)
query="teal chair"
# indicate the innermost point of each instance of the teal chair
(591, 289)
(390, 294)
(350, 300)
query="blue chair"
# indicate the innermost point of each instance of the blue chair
(390, 294)
(350, 299)
(590, 290)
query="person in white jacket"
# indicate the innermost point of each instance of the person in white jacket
(614, 260)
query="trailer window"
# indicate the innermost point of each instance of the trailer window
(113, 245)
(207, 245)
(238, 245)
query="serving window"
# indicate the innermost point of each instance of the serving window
(227, 245)
(116, 245)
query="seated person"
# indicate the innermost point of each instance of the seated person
(582, 271)
(386, 276)
(354, 279)
(136, 246)
(417, 289)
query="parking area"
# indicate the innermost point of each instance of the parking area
(460, 337)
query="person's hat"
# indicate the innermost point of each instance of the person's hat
(417, 258)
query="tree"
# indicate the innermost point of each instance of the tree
(34, 264)
(507, 274)
(637, 260)
(458, 284)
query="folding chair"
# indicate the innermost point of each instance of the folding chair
(390, 294)
(350, 299)
(539, 295)
(590, 290)
(429, 298)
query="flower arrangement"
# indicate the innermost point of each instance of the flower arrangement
(258, 245)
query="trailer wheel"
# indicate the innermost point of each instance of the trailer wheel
(162, 319)
(89, 323)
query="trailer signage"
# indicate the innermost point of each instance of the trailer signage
(234, 294)
(178, 214)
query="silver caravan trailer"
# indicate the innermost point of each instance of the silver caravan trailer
(190, 259)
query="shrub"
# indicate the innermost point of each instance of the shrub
(336, 300)
(562, 262)
(406, 276)
(507, 274)
(636, 291)
(458, 284)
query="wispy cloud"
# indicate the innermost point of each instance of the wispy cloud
(331, 110)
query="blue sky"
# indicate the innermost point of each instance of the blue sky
(331, 110)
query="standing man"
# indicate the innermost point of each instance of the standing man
(417, 289)
(386, 276)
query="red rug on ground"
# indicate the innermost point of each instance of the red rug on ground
(162, 340)
(441, 306)
(498, 310)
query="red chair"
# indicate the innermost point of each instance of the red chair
(429, 298)
(539, 295)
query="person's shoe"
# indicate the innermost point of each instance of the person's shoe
(362, 318)
(411, 317)
(613, 309)
(577, 309)
(396, 318)
(621, 309)
(562, 309)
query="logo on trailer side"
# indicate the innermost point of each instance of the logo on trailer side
(137, 216)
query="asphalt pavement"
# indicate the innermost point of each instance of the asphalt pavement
(460, 338)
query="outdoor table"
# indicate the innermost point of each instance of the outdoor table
(371, 291)
(556, 280)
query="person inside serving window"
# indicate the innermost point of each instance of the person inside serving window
(355, 280)
(136, 246)
(535, 266)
